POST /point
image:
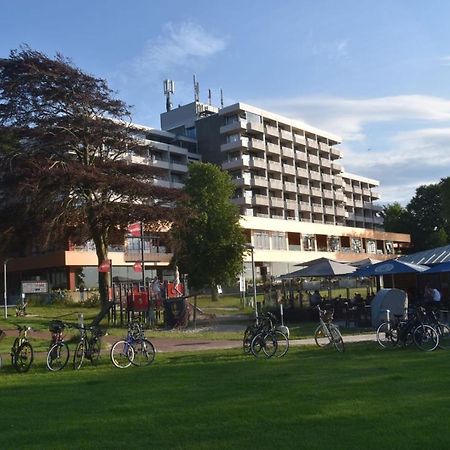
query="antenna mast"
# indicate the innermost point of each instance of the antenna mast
(169, 88)
(196, 90)
(221, 98)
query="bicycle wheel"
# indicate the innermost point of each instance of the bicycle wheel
(57, 356)
(14, 349)
(270, 344)
(96, 345)
(144, 353)
(444, 336)
(23, 357)
(336, 337)
(78, 356)
(426, 338)
(387, 335)
(282, 344)
(122, 354)
(321, 336)
(248, 336)
(257, 345)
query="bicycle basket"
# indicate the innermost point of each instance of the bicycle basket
(56, 326)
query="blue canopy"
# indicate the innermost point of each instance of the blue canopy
(442, 267)
(390, 267)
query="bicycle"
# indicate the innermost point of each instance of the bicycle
(443, 329)
(89, 346)
(269, 340)
(22, 354)
(58, 352)
(327, 333)
(412, 330)
(134, 349)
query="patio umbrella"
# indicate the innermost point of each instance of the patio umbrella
(365, 262)
(390, 267)
(438, 268)
(323, 268)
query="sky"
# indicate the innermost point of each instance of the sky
(376, 73)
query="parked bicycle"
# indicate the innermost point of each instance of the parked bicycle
(134, 349)
(266, 338)
(58, 352)
(89, 346)
(431, 318)
(22, 354)
(407, 331)
(327, 333)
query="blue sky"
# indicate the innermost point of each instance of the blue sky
(375, 73)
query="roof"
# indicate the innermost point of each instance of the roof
(433, 256)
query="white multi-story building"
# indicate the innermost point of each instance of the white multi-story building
(296, 200)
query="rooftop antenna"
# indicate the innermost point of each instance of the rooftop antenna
(169, 88)
(209, 97)
(221, 98)
(196, 90)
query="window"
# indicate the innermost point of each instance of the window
(356, 245)
(191, 132)
(334, 244)
(262, 240)
(233, 138)
(309, 242)
(253, 118)
(231, 119)
(278, 241)
(371, 246)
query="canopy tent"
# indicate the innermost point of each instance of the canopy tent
(439, 268)
(394, 300)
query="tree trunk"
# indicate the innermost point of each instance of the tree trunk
(214, 293)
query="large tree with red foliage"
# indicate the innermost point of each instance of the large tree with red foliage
(64, 170)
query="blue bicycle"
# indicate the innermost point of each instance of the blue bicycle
(135, 349)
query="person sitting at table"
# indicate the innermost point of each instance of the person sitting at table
(316, 299)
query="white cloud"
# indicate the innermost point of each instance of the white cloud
(179, 45)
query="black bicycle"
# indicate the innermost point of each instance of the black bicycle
(22, 354)
(58, 352)
(89, 346)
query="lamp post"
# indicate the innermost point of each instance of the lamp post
(5, 288)
(255, 305)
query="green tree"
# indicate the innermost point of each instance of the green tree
(209, 245)
(428, 227)
(64, 167)
(395, 218)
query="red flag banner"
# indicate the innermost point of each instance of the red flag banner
(134, 229)
(105, 266)
(137, 266)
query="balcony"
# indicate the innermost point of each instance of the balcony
(288, 169)
(286, 135)
(329, 210)
(273, 148)
(176, 167)
(287, 152)
(275, 184)
(255, 127)
(325, 163)
(357, 190)
(256, 144)
(302, 173)
(236, 163)
(328, 194)
(316, 208)
(153, 162)
(260, 200)
(327, 178)
(324, 147)
(312, 143)
(337, 181)
(302, 189)
(316, 192)
(298, 139)
(335, 153)
(240, 143)
(304, 206)
(274, 166)
(358, 204)
(336, 167)
(314, 160)
(341, 212)
(258, 163)
(259, 182)
(233, 127)
(375, 194)
(276, 202)
(315, 175)
(154, 254)
(290, 187)
(301, 156)
(339, 196)
(242, 201)
(290, 204)
(271, 131)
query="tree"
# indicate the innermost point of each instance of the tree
(210, 244)
(64, 171)
(395, 218)
(428, 227)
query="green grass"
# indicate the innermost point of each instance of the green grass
(311, 399)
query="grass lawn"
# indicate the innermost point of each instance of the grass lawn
(312, 399)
